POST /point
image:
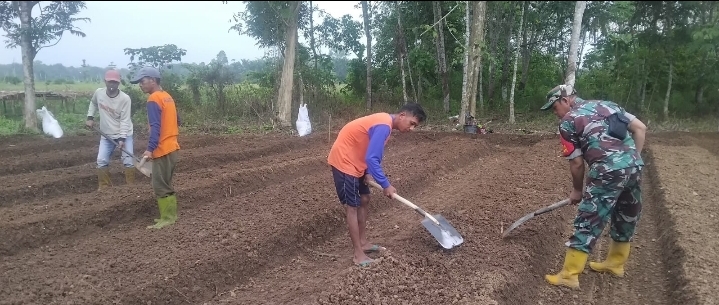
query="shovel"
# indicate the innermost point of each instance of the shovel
(141, 164)
(438, 226)
(535, 213)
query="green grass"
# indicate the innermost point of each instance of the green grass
(204, 118)
(71, 124)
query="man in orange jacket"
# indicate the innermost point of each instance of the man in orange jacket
(162, 147)
(357, 151)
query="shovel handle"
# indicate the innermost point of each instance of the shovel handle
(408, 203)
(115, 142)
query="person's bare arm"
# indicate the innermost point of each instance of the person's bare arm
(576, 167)
(638, 130)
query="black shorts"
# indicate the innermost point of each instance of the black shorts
(349, 188)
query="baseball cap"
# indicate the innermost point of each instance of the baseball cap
(145, 72)
(557, 93)
(112, 75)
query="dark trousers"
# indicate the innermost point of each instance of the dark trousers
(163, 168)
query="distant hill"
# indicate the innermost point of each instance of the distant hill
(45, 72)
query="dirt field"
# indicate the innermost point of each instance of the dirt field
(259, 223)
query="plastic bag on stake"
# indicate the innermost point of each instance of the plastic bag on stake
(304, 127)
(50, 125)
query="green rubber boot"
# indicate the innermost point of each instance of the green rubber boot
(168, 212)
(172, 208)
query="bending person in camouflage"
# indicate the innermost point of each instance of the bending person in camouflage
(598, 132)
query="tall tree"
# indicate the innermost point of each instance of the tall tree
(466, 75)
(275, 24)
(479, 13)
(514, 69)
(367, 26)
(574, 42)
(401, 44)
(284, 100)
(472, 56)
(32, 34)
(441, 54)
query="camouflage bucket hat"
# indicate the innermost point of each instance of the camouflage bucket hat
(557, 93)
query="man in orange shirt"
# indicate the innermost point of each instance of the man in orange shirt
(357, 151)
(162, 147)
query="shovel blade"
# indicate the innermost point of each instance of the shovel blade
(445, 234)
(145, 169)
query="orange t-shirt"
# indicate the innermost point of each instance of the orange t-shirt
(163, 121)
(359, 147)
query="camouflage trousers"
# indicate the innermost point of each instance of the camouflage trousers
(614, 195)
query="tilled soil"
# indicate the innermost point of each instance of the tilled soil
(259, 223)
(688, 176)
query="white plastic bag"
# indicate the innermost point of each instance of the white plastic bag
(304, 127)
(50, 125)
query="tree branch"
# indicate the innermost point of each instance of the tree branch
(48, 18)
(278, 13)
(440, 20)
(37, 49)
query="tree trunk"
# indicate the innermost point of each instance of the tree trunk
(493, 55)
(368, 34)
(404, 51)
(699, 93)
(524, 45)
(644, 86)
(441, 55)
(574, 43)
(466, 78)
(400, 43)
(508, 52)
(480, 89)
(284, 101)
(527, 58)
(514, 72)
(404, 78)
(581, 52)
(478, 14)
(669, 91)
(28, 56)
(312, 35)
(301, 87)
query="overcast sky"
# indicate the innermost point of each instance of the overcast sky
(199, 27)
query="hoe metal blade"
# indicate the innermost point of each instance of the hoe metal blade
(529, 216)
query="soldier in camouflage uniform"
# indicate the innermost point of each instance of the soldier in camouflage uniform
(598, 131)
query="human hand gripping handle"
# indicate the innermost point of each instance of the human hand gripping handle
(389, 191)
(575, 197)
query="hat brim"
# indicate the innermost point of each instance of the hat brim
(135, 81)
(548, 105)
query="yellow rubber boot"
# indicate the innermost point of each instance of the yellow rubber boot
(103, 178)
(616, 257)
(130, 175)
(574, 262)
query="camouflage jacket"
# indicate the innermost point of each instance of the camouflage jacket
(583, 132)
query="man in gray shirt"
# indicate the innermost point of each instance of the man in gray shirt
(116, 122)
